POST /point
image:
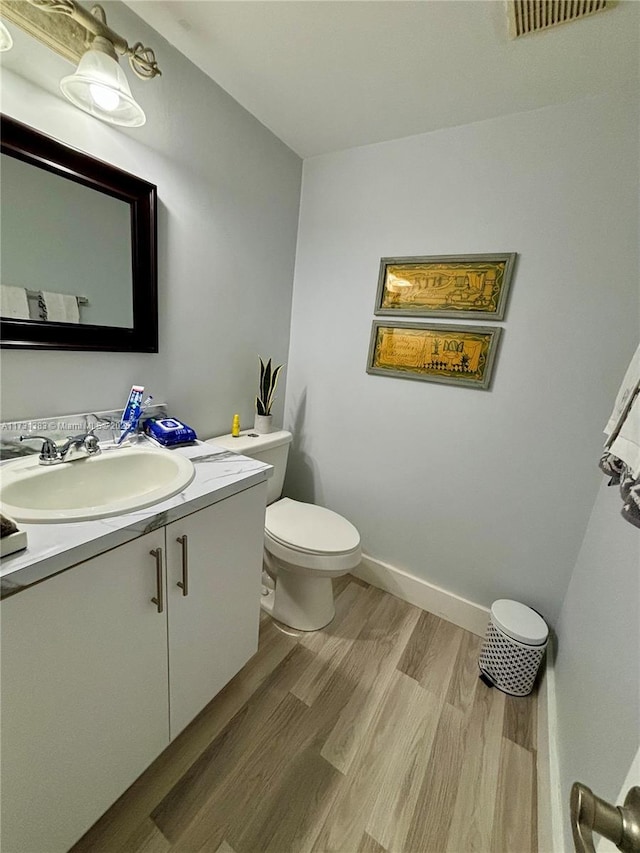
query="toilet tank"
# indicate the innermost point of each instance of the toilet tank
(272, 448)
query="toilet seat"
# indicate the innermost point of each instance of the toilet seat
(310, 528)
(311, 537)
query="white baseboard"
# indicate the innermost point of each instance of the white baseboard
(468, 615)
(551, 815)
(547, 788)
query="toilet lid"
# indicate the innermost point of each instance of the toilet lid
(308, 527)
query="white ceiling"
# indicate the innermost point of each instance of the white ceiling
(325, 75)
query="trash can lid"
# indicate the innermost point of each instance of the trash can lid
(519, 622)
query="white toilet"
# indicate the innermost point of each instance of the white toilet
(305, 546)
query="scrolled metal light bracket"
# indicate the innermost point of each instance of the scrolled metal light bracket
(68, 28)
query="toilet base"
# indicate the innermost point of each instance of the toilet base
(300, 601)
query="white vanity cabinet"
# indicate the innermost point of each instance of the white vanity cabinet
(213, 629)
(84, 698)
(90, 667)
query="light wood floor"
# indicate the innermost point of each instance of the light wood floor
(373, 735)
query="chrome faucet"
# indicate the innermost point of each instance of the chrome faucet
(75, 447)
(79, 446)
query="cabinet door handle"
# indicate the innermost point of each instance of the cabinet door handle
(184, 583)
(159, 599)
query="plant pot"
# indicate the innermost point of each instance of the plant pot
(263, 424)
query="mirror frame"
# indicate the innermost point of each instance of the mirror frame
(31, 146)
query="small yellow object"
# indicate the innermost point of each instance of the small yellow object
(235, 427)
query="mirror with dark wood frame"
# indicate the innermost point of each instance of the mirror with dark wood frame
(78, 249)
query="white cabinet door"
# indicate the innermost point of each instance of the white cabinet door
(213, 630)
(84, 695)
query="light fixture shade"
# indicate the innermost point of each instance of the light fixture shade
(100, 88)
(6, 42)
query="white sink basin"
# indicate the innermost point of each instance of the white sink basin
(116, 481)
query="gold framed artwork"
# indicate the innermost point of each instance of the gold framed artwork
(465, 286)
(457, 355)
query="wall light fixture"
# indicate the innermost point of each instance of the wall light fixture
(6, 42)
(99, 85)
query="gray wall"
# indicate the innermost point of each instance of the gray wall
(228, 207)
(597, 671)
(486, 494)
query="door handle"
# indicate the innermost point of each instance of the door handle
(159, 599)
(184, 583)
(619, 824)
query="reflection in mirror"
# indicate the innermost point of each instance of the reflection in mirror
(61, 239)
(77, 249)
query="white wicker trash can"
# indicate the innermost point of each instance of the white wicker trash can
(513, 648)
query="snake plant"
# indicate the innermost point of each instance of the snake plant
(267, 389)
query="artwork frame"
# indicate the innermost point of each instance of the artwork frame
(472, 287)
(481, 353)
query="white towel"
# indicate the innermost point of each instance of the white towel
(626, 445)
(623, 427)
(13, 302)
(629, 384)
(61, 308)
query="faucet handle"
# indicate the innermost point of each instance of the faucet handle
(87, 440)
(91, 443)
(49, 451)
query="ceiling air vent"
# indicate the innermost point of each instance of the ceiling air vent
(530, 16)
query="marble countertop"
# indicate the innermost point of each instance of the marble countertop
(52, 548)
